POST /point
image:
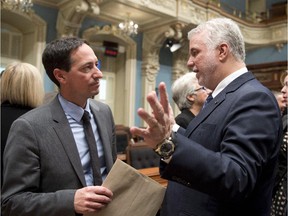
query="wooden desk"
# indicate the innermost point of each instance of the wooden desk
(153, 172)
(121, 157)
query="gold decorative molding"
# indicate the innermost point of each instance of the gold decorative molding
(163, 6)
(263, 35)
(88, 34)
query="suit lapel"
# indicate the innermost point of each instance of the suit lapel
(64, 133)
(101, 122)
(205, 113)
(235, 84)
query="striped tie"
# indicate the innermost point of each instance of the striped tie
(94, 159)
(208, 99)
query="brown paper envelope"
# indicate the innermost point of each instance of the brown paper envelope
(134, 194)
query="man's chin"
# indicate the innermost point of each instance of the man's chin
(93, 94)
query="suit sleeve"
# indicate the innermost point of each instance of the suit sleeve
(21, 193)
(113, 143)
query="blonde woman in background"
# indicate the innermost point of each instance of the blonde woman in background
(21, 90)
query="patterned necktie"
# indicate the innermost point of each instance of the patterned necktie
(94, 159)
(208, 99)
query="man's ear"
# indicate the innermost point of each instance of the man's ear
(59, 75)
(223, 51)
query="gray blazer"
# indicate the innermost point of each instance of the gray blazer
(42, 167)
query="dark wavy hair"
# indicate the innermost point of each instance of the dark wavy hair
(57, 54)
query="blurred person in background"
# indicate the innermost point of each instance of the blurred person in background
(189, 96)
(21, 90)
(280, 99)
(279, 201)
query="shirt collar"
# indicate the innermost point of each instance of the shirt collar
(73, 110)
(227, 80)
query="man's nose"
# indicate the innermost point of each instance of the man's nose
(190, 63)
(97, 73)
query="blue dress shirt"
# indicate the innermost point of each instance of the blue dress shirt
(74, 115)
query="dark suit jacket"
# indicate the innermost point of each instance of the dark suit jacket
(9, 113)
(184, 118)
(42, 167)
(224, 163)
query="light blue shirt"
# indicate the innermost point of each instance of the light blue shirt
(74, 115)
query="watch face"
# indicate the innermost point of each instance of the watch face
(166, 147)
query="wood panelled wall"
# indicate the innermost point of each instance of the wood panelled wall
(270, 74)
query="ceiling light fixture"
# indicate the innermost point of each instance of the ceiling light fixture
(173, 44)
(174, 37)
(128, 27)
(17, 5)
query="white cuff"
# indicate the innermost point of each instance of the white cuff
(175, 128)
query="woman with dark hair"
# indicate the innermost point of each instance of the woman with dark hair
(279, 205)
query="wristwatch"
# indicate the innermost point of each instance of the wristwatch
(165, 149)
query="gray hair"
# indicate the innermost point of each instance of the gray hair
(220, 30)
(181, 88)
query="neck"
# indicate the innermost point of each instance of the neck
(195, 109)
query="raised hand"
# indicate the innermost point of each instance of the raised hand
(159, 122)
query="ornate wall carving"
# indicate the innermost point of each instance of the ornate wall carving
(163, 6)
(33, 28)
(272, 35)
(152, 43)
(72, 13)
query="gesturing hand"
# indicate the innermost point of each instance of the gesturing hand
(159, 122)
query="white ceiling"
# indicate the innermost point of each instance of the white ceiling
(115, 11)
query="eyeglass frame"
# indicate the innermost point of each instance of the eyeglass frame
(201, 88)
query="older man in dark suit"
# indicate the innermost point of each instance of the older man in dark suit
(47, 161)
(224, 163)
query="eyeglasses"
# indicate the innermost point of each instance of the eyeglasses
(201, 88)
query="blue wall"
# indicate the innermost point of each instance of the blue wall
(138, 85)
(50, 16)
(266, 55)
(238, 5)
(165, 72)
(269, 3)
